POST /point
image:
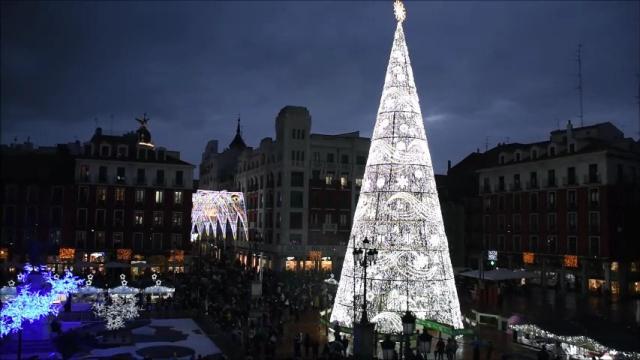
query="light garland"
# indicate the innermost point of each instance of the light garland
(218, 208)
(579, 341)
(29, 306)
(399, 212)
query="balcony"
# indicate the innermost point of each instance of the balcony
(486, 189)
(593, 178)
(329, 228)
(85, 178)
(120, 179)
(551, 182)
(594, 229)
(532, 185)
(102, 179)
(159, 182)
(569, 181)
(515, 187)
(141, 181)
(178, 183)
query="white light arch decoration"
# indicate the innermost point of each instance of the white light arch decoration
(218, 208)
(399, 212)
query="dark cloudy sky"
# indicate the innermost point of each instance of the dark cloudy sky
(483, 69)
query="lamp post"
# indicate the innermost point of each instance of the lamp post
(363, 331)
(408, 328)
(388, 347)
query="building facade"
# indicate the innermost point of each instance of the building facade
(118, 201)
(301, 190)
(218, 169)
(567, 207)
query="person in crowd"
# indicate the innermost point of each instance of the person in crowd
(440, 349)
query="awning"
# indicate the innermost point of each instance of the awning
(500, 274)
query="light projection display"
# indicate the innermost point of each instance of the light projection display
(31, 304)
(213, 210)
(399, 212)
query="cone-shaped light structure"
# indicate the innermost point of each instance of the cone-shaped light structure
(399, 212)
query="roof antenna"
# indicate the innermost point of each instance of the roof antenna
(238, 131)
(486, 144)
(111, 124)
(579, 59)
(638, 96)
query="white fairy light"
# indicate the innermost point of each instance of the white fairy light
(213, 209)
(399, 212)
(121, 309)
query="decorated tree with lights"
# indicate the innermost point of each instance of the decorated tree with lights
(121, 309)
(399, 213)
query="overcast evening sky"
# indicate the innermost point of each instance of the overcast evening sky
(483, 69)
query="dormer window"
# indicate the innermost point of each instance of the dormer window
(534, 154)
(123, 151)
(517, 156)
(105, 150)
(552, 151)
(572, 148)
(501, 159)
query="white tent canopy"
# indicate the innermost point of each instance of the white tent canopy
(89, 290)
(124, 290)
(499, 274)
(159, 289)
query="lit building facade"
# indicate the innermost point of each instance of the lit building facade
(567, 207)
(300, 191)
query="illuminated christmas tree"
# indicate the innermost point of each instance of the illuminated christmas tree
(399, 212)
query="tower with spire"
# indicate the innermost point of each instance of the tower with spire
(398, 211)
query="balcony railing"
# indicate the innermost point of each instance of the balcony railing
(592, 179)
(120, 180)
(159, 182)
(141, 181)
(569, 181)
(532, 185)
(551, 182)
(329, 228)
(515, 187)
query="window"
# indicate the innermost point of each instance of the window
(594, 222)
(82, 217)
(344, 159)
(533, 201)
(517, 247)
(533, 180)
(122, 151)
(179, 178)
(156, 241)
(343, 220)
(118, 240)
(159, 177)
(139, 195)
(176, 219)
(361, 160)
(533, 223)
(101, 194)
(552, 151)
(177, 197)
(571, 199)
(314, 218)
(594, 246)
(516, 202)
(572, 148)
(138, 218)
(516, 223)
(101, 215)
(552, 245)
(500, 223)
(120, 174)
(501, 159)
(551, 200)
(157, 218)
(594, 197)
(501, 183)
(119, 194)
(56, 216)
(328, 178)
(159, 196)
(297, 199)
(330, 157)
(358, 182)
(56, 195)
(551, 177)
(551, 222)
(501, 203)
(571, 175)
(593, 173)
(534, 154)
(328, 218)
(572, 245)
(516, 182)
(138, 240)
(118, 218)
(344, 179)
(140, 177)
(55, 236)
(100, 240)
(102, 174)
(295, 220)
(85, 173)
(297, 178)
(176, 241)
(517, 156)
(105, 150)
(572, 222)
(81, 239)
(533, 243)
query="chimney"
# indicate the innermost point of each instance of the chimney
(569, 130)
(98, 131)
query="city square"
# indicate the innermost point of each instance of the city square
(193, 231)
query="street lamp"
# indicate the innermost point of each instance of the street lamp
(363, 332)
(408, 328)
(388, 347)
